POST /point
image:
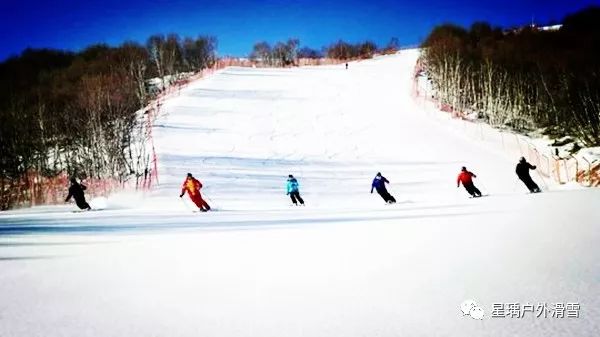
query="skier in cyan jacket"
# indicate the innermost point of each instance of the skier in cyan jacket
(293, 190)
(76, 192)
(379, 185)
(522, 171)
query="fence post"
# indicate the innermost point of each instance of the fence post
(31, 189)
(576, 166)
(518, 143)
(589, 170)
(547, 168)
(556, 169)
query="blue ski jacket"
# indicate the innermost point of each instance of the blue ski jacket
(292, 185)
(379, 183)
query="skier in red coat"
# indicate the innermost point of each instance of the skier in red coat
(193, 186)
(466, 178)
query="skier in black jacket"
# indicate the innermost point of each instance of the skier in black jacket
(76, 191)
(522, 171)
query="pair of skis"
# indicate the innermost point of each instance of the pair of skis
(485, 195)
(193, 210)
(85, 210)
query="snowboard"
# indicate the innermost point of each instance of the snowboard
(85, 210)
(199, 211)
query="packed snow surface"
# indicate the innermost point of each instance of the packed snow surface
(346, 264)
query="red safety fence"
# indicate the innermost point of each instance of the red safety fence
(590, 174)
(153, 111)
(561, 169)
(35, 189)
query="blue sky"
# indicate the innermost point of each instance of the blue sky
(239, 24)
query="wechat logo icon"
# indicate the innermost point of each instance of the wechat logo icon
(471, 308)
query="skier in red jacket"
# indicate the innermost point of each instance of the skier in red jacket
(193, 186)
(466, 178)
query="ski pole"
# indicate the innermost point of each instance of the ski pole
(186, 205)
(543, 180)
(484, 186)
(518, 182)
(214, 205)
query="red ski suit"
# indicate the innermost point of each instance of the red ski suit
(465, 177)
(193, 186)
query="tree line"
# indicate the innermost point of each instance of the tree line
(526, 78)
(81, 113)
(283, 54)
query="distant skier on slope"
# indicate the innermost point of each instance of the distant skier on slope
(522, 171)
(193, 186)
(293, 190)
(466, 178)
(379, 184)
(76, 191)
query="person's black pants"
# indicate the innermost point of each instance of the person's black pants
(473, 191)
(531, 185)
(296, 196)
(387, 197)
(82, 204)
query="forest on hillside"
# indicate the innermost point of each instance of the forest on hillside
(80, 113)
(526, 78)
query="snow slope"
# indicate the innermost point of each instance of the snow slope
(344, 265)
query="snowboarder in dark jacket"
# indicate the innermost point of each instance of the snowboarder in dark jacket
(379, 185)
(466, 178)
(293, 190)
(76, 191)
(522, 171)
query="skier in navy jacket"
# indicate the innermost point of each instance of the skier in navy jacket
(379, 185)
(76, 192)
